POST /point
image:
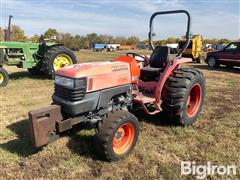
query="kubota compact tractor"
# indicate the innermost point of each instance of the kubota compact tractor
(102, 93)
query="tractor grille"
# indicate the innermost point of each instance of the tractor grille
(73, 94)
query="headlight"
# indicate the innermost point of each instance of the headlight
(63, 81)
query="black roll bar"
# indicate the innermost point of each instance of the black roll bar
(170, 12)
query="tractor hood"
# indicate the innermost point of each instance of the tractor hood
(100, 75)
(92, 69)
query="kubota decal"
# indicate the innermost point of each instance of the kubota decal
(120, 68)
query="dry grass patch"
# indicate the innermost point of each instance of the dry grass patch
(161, 146)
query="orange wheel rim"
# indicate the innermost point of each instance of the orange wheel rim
(194, 100)
(123, 138)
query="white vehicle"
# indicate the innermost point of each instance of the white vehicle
(112, 47)
(208, 46)
(173, 47)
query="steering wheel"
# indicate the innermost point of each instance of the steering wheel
(130, 54)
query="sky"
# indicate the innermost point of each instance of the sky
(210, 18)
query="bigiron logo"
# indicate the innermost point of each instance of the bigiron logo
(202, 171)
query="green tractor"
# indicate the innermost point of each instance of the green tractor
(39, 58)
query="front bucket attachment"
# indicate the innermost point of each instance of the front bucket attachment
(43, 124)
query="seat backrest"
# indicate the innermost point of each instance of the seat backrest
(159, 57)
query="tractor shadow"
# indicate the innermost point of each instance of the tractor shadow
(234, 70)
(159, 119)
(83, 144)
(22, 144)
(25, 74)
(82, 141)
(86, 144)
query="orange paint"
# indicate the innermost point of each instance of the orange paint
(123, 138)
(100, 75)
(135, 71)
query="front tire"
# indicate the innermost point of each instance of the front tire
(117, 135)
(4, 77)
(57, 57)
(212, 62)
(183, 96)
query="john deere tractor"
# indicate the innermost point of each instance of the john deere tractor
(39, 58)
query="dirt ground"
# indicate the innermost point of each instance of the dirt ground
(161, 147)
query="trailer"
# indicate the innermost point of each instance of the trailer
(99, 47)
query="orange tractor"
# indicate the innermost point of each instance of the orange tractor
(102, 95)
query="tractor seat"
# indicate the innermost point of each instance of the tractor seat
(157, 63)
(150, 73)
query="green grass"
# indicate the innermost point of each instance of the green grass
(161, 146)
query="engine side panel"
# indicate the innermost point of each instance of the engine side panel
(92, 100)
(107, 94)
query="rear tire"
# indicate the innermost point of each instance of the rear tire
(51, 59)
(4, 77)
(117, 135)
(183, 96)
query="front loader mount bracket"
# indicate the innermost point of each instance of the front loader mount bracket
(43, 123)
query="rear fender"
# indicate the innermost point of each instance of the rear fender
(44, 47)
(135, 70)
(208, 56)
(175, 64)
(53, 45)
(49, 45)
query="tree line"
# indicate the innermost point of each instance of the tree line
(85, 42)
(71, 41)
